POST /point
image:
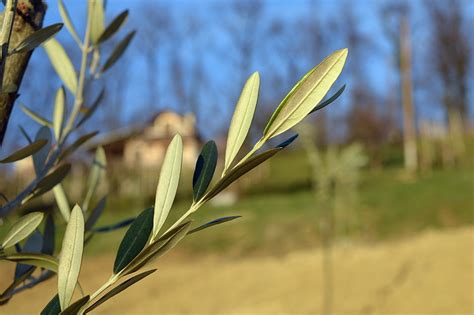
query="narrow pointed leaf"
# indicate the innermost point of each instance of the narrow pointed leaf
(242, 119)
(23, 227)
(122, 286)
(71, 257)
(214, 222)
(25, 134)
(49, 235)
(39, 158)
(36, 117)
(95, 214)
(62, 64)
(287, 142)
(96, 175)
(25, 151)
(6, 295)
(62, 201)
(238, 171)
(37, 38)
(309, 91)
(113, 227)
(204, 170)
(33, 244)
(74, 308)
(118, 51)
(329, 100)
(38, 260)
(53, 307)
(97, 20)
(52, 179)
(134, 240)
(114, 26)
(168, 183)
(67, 21)
(92, 108)
(76, 144)
(59, 113)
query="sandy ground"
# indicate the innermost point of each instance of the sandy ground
(431, 273)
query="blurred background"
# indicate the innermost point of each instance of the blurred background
(371, 210)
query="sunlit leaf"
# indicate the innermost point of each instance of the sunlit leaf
(35, 259)
(53, 307)
(67, 21)
(309, 91)
(96, 175)
(62, 64)
(33, 244)
(74, 308)
(97, 20)
(238, 171)
(168, 183)
(59, 113)
(134, 240)
(37, 38)
(329, 100)
(214, 222)
(242, 119)
(204, 170)
(114, 26)
(36, 117)
(118, 51)
(122, 286)
(23, 227)
(62, 201)
(71, 257)
(25, 151)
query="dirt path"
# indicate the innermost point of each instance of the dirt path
(432, 273)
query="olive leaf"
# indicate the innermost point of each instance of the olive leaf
(96, 175)
(113, 227)
(309, 91)
(134, 240)
(242, 119)
(71, 257)
(91, 109)
(287, 142)
(122, 286)
(35, 259)
(114, 26)
(33, 244)
(76, 144)
(25, 152)
(67, 21)
(238, 171)
(329, 100)
(37, 38)
(22, 228)
(7, 294)
(39, 158)
(74, 308)
(49, 234)
(51, 180)
(59, 113)
(95, 214)
(61, 63)
(97, 20)
(62, 201)
(214, 222)
(53, 307)
(36, 117)
(168, 183)
(118, 51)
(204, 170)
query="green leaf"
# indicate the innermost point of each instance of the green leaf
(37, 38)
(25, 151)
(67, 21)
(76, 144)
(238, 171)
(52, 179)
(287, 142)
(134, 240)
(329, 100)
(204, 170)
(22, 228)
(61, 200)
(113, 227)
(35, 259)
(95, 214)
(309, 91)
(214, 222)
(91, 109)
(62, 64)
(53, 307)
(97, 173)
(242, 119)
(74, 308)
(97, 20)
(118, 51)
(122, 286)
(49, 236)
(114, 26)
(40, 120)
(59, 113)
(39, 158)
(71, 257)
(158, 248)
(168, 183)
(33, 244)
